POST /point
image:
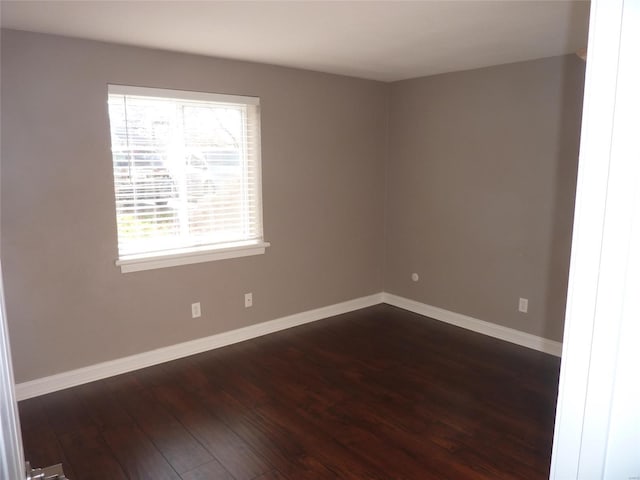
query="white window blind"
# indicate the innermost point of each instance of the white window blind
(186, 171)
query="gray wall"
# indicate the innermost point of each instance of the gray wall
(323, 148)
(480, 190)
(479, 169)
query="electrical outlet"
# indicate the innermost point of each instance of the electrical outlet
(195, 310)
(523, 305)
(248, 300)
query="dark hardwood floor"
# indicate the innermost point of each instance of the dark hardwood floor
(375, 394)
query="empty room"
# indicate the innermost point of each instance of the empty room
(319, 240)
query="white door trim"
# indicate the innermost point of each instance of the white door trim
(603, 281)
(11, 453)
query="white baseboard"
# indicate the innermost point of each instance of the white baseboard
(102, 370)
(491, 329)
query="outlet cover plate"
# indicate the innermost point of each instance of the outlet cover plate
(523, 305)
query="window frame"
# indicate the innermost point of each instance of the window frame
(200, 253)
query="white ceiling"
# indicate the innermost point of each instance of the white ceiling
(385, 40)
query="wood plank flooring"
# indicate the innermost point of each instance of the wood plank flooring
(375, 394)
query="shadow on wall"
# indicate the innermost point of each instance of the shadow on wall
(568, 148)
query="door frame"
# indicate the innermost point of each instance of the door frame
(597, 421)
(11, 453)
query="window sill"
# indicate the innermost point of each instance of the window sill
(136, 263)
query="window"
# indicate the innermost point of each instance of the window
(186, 169)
